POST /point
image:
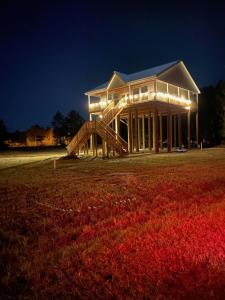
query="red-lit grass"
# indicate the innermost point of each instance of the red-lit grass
(150, 227)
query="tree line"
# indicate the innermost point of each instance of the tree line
(62, 129)
(212, 113)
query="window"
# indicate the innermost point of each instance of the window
(135, 95)
(144, 92)
(144, 89)
(115, 96)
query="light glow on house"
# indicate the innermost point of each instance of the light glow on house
(141, 101)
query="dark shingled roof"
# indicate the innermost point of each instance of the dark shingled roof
(139, 75)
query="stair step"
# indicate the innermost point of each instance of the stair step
(101, 128)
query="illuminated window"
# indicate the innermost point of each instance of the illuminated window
(135, 95)
(144, 92)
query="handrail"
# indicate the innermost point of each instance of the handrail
(101, 126)
(111, 111)
(113, 140)
(114, 133)
(108, 107)
(106, 132)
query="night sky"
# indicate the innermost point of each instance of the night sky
(51, 52)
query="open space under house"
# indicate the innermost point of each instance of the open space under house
(145, 111)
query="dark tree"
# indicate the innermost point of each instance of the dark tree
(18, 136)
(206, 111)
(3, 133)
(66, 127)
(74, 121)
(59, 125)
(220, 120)
(211, 112)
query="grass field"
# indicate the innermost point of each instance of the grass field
(20, 157)
(143, 227)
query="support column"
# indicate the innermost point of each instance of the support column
(169, 131)
(149, 131)
(132, 132)
(139, 133)
(129, 132)
(175, 130)
(189, 129)
(117, 124)
(91, 138)
(136, 131)
(143, 132)
(87, 147)
(160, 132)
(103, 148)
(179, 131)
(196, 123)
(155, 131)
(96, 144)
(114, 128)
(107, 149)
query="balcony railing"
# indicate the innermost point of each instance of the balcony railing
(158, 91)
(99, 106)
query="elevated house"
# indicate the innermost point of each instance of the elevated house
(143, 111)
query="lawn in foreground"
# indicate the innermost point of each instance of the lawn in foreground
(133, 228)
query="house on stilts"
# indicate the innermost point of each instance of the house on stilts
(151, 110)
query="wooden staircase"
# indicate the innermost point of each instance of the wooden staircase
(102, 128)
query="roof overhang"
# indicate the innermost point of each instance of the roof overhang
(141, 80)
(186, 71)
(92, 93)
(190, 77)
(113, 78)
(137, 81)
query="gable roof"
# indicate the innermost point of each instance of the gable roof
(155, 71)
(151, 72)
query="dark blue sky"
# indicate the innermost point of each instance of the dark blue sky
(51, 52)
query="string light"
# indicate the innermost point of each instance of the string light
(104, 102)
(173, 97)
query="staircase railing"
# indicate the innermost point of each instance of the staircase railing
(104, 131)
(113, 133)
(77, 139)
(108, 107)
(112, 110)
(102, 128)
